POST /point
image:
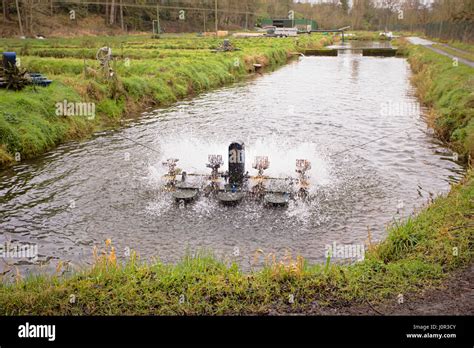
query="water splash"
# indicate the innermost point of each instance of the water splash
(192, 153)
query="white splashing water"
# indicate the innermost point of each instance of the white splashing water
(193, 152)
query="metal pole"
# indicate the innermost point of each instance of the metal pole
(293, 20)
(215, 11)
(158, 19)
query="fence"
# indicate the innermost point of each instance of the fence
(459, 31)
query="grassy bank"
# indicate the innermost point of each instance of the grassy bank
(416, 255)
(456, 52)
(463, 46)
(148, 72)
(448, 90)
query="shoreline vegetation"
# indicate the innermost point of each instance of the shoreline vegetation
(147, 73)
(447, 89)
(416, 256)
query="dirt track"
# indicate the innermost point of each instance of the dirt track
(456, 297)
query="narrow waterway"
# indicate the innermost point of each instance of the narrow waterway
(355, 118)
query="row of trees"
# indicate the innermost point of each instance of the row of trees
(200, 14)
(386, 14)
(138, 14)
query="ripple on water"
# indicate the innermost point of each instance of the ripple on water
(325, 109)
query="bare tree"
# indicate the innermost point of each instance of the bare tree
(121, 15)
(389, 7)
(4, 8)
(19, 17)
(112, 12)
(31, 17)
(358, 12)
(106, 11)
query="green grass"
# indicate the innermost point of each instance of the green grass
(464, 46)
(365, 36)
(160, 72)
(415, 256)
(465, 55)
(28, 123)
(448, 90)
